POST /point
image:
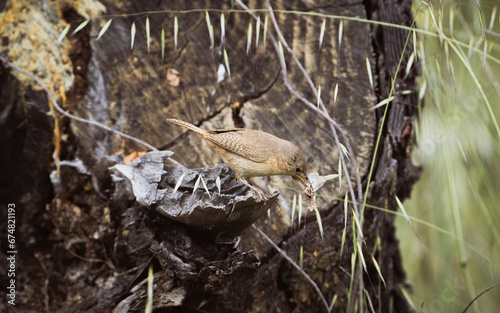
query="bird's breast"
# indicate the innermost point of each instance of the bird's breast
(248, 168)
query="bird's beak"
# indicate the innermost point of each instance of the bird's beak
(302, 178)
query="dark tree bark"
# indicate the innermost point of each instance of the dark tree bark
(85, 239)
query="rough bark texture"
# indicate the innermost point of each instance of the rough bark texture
(85, 242)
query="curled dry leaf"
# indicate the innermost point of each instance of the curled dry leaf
(173, 77)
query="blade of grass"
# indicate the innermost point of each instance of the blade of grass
(63, 35)
(217, 183)
(320, 224)
(226, 61)
(205, 186)
(80, 27)
(467, 64)
(132, 35)
(249, 37)
(162, 39)
(257, 32)
(322, 33)
(179, 182)
(148, 34)
(104, 29)
(176, 31)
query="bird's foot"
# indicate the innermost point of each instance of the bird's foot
(259, 192)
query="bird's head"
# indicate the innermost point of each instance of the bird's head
(297, 168)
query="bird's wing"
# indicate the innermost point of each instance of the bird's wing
(236, 141)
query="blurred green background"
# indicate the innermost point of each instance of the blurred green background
(453, 253)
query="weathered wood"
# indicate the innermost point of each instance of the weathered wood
(94, 242)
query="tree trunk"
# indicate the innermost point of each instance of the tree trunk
(84, 234)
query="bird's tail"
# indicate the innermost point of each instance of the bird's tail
(187, 125)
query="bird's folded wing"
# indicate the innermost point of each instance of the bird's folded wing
(232, 140)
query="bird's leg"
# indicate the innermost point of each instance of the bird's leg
(258, 191)
(266, 193)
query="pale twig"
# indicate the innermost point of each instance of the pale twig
(76, 118)
(306, 276)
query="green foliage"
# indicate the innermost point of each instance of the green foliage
(458, 145)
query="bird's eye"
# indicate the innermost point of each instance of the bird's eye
(298, 170)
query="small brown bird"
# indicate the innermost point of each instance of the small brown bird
(253, 153)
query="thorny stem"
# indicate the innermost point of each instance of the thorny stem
(74, 117)
(323, 112)
(294, 264)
